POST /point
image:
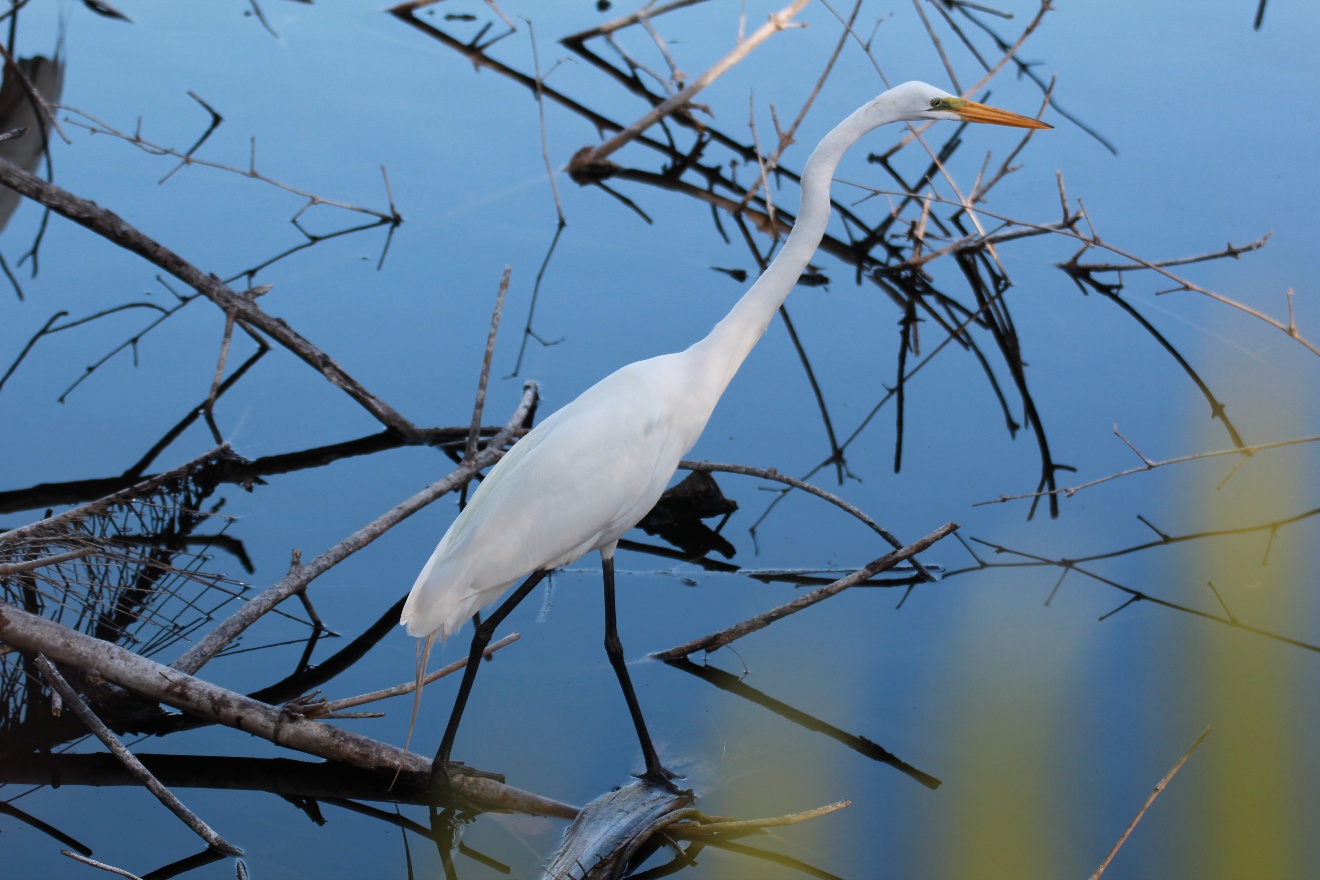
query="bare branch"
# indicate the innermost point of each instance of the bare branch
(111, 742)
(407, 687)
(84, 859)
(113, 228)
(299, 577)
(725, 636)
(33, 634)
(1159, 787)
(1148, 465)
(478, 408)
(778, 21)
(10, 568)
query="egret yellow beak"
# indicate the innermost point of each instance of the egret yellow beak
(971, 111)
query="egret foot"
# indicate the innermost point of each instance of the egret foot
(658, 776)
(440, 784)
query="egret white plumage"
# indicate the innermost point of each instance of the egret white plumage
(587, 474)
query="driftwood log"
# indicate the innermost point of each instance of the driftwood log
(610, 830)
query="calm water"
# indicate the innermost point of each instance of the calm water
(1047, 727)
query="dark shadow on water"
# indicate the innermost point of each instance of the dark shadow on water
(730, 683)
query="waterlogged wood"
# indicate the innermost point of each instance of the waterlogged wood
(102, 660)
(287, 777)
(609, 830)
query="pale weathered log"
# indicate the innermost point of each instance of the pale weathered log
(102, 660)
(608, 831)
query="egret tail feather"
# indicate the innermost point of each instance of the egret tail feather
(424, 646)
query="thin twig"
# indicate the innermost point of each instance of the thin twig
(939, 47)
(689, 829)
(775, 476)
(778, 21)
(479, 407)
(1149, 465)
(1159, 787)
(99, 126)
(102, 865)
(408, 686)
(9, 568)
(540, 115)
(632, 18)
(725, 636)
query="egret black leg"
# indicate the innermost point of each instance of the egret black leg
(480, 639)
(614, 649)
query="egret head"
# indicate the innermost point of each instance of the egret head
(919, 102)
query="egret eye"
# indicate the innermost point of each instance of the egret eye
(935, 103)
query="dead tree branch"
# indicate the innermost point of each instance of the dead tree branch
(98, 126)
(725, 636)
(125, 757)
(32, 634)
(1133, 595)
(587, 157)
(301, 575)
(1148, 464)
(113, 228)
(1159, 787)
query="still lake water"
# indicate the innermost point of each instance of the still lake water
(1047, 727)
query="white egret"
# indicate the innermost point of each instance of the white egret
(588, 473)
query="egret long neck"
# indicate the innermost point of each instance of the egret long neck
(722, 351)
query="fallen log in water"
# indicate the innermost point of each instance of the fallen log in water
(95, 658)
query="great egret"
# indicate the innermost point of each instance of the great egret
(592, 470)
